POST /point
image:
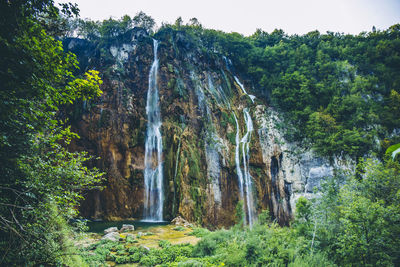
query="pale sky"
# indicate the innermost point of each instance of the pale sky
(245, 16)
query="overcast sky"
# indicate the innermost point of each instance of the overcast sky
(245, 16)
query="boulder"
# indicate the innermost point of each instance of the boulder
(180, 221)
(110, 230)
(127, 227)
(113, 236)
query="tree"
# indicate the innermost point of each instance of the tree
(194, 22)
(144, 21)
(40, 179)
(358, 215)
(178, 23)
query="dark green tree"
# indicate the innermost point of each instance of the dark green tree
(40, 179)
(144, 21)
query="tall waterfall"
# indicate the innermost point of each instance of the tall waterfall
(245, 183)
(153, 172)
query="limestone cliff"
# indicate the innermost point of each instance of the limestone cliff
(200, 98)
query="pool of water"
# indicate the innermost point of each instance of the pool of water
(99, 226)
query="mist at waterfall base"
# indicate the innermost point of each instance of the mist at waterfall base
(153, 173)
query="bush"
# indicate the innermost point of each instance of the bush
(235, 255)
(199, 232)
(191, 263)
(253, 250)
(133, 250)
(135, 257)
(121, 259)
(205, 247)
(314, 260)
(130, 239)
(179, 228)
(164, 243)
(121, 252)
(148, 260)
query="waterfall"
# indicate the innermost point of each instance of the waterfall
(237, 158)
(212, 140)
(218, 93)
(228, 64)
(244, 177)
(153, 172)
(213, 165)
(252, 97)
(246, 172)
(97, 205)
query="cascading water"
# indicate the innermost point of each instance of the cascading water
(246, 172)
(212, 140)
(153, 172)
(252, 97)
(237, 158)
(213, 165)
(228, 64)
(245, 183)
(218, 93)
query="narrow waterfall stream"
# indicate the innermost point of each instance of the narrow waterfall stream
(246, 170)
(212, 140)
(237, 159)
(153, 172)
(244, 178)
(252, 97)
(229, 66)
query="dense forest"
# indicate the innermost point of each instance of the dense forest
(339, 95)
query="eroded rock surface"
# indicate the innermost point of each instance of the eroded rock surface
(200, 98)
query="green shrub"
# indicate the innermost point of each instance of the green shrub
(235, 255)
(148, 260)
(199, 232)
(119, 247)
(133, 250)
(231, 137)
(121, 252)
(205, 247)
(130, 239)
(121, 259)
(253, 250)
(179, 228)
(164, 243)
(191, 263)
(135, 257)
(314, 260)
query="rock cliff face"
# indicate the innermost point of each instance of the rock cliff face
(200, 99)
